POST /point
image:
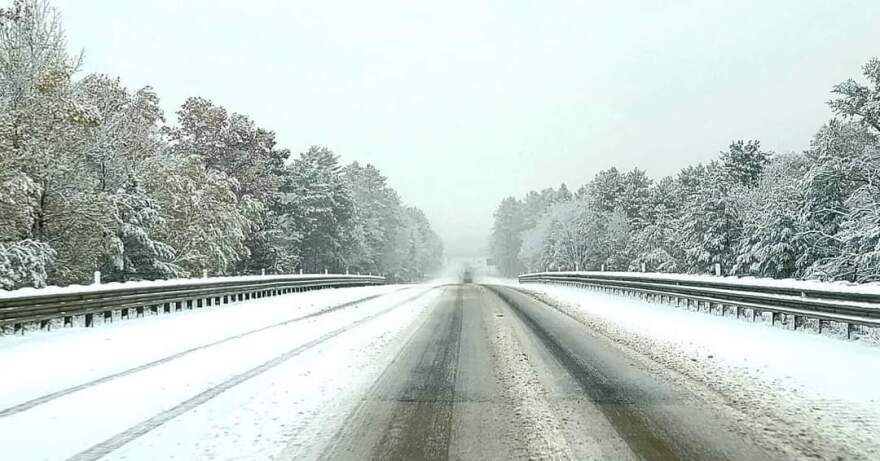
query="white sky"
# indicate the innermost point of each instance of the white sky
(461, 103)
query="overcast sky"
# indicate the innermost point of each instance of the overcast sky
(463, 103)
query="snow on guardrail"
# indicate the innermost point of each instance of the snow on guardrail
(740, 282)
(117, 286)
(855, 306)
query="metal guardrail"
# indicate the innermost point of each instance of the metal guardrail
(39, 308)
(849, 308)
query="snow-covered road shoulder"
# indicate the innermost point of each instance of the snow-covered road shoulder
(207, 358)
(45, 362)
(817, 391)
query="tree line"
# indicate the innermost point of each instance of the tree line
(93, 177)
(812, 214)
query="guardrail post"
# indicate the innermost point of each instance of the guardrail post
(850, 329)
(821, 325)
(89, 320)
(97, 279)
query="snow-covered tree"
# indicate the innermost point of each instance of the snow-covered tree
(709, 222)
(24, 263)
(202, 218)
(835, 172)
(743, 162)
(125, 140)
(606, 190)
(417, 250)
(44, 128)
(319, 207)
(859, 101)
(370, 237)
(657, 243)
(814, 215)
(635, 198)
(505, 240)
(92, 177)
(773, 235)
(232, 144)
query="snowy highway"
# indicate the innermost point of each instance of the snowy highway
(442, 371)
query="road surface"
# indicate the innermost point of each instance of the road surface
(492, 373)
(458, 371)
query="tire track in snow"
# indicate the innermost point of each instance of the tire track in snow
(617, 406)
(27, 405)
(407, 412)
(103, 448)
(421, 423)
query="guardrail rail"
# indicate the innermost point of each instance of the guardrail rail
(67, 304)
(739, 297)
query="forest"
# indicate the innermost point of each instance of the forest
(806, 215)
(94, 177)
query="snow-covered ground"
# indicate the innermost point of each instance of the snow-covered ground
(43, 362)
(38, 364)
(291, 411)
(788, 380)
